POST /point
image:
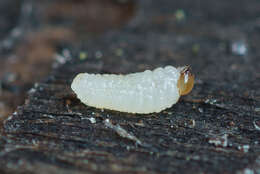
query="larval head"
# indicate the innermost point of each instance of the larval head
(186, 80)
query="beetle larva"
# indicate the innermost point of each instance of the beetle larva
(142, 92)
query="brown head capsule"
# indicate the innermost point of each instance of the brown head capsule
(186, 81)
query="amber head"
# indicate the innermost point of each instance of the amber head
(186, 80)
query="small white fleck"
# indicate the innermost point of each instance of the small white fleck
(211, 101)
(244, 148)
(219, 141)
(193, 124)
(257, 124)
(246, 171)
(60, 59)
(186, 78)
(10, 117)
(257, 109)
(239, 48)
(107, 120)
(121, 132)
(34, 142)
(128, 148)
(201, 110)
(92, 120)
(31, 91)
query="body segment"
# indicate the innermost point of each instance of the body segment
(143, 92)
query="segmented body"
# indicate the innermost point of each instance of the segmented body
(143, 92)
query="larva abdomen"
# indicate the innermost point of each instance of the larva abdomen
(144, 92)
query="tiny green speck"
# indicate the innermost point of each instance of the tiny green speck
(119, 52)
(180, 15)
(83, 55)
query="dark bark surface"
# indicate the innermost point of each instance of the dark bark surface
(215, 129)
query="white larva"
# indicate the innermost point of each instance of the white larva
(142, 92)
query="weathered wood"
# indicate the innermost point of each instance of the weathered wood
(212, 130)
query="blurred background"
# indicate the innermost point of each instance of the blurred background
(32, 33)
(220, 39)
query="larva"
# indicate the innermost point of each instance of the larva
(142, 92)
